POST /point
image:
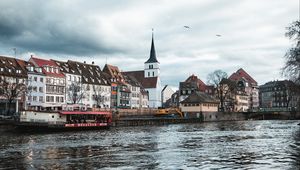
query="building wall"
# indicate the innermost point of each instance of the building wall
(42, 117)
(202, 107)
(135, 97)
(154, 97)
(151, 70)
(55, 92)
(167, 94)
(90, 90)
(241, 103)
(36, 93)
(72, 79)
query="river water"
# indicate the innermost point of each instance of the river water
(217, 145)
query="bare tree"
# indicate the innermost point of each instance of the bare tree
(99, 96)
(75, 93)
(11, 91)
(293, 94)
(223, 87)
(292, 57)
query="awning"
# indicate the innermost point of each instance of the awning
(83, 113)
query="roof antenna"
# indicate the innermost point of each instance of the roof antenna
(106, 60)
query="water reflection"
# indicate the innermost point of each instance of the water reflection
(242, 145)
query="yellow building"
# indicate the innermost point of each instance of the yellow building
(198, 104)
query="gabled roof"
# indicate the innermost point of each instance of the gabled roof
(242, 74)
(114, 73)
(149, 82)
(12, 67)
(194, 79)
(68, 67)
(200, 97)
(90, 73)
(152, 58)
(49, 63)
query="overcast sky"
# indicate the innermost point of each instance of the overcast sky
(252, 34)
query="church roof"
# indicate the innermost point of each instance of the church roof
(152, 58)
(149, 82)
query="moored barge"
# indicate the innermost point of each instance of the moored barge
(64, 120)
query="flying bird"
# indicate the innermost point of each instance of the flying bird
(186, 26)
(218, 35)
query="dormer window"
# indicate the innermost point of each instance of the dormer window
(9, 70)
(1, 69)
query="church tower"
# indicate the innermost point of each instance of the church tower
(151, 68)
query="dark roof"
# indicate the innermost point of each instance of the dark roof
(242, 74)
(12, 67)
(114, 73)
(200, 97)
(69, 67)
(152, 58)
(149, 82)
(90, 73)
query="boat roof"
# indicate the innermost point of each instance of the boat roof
(84, 113)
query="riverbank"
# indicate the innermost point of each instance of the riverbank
(142, 120)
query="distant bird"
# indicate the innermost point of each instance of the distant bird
(218, 35)
(186, 26)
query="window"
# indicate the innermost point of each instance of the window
(69, 78)
(41, 99)
(34, 98)
(41, 79)
(34, 89)
(41, 89)
(153, 73)
(61, 99)
(47, 98)
(148, 74)
(52, 98)
(150, 66)
(35, 78)
(57, 99)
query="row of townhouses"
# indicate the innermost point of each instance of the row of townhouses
(47, 84)
(41, 84)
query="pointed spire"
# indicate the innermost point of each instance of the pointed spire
(152, 58)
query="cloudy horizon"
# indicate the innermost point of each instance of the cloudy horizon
(119, 33)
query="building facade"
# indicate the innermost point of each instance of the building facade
(54, 83)
(13, 80)
(248, 85)
(279, 94)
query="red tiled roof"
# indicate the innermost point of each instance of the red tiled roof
(114, 72)
(201, 85)
(41, 63)
(149, 82)
(241, 73)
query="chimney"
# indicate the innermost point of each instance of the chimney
(93, 62)
(84, 62)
